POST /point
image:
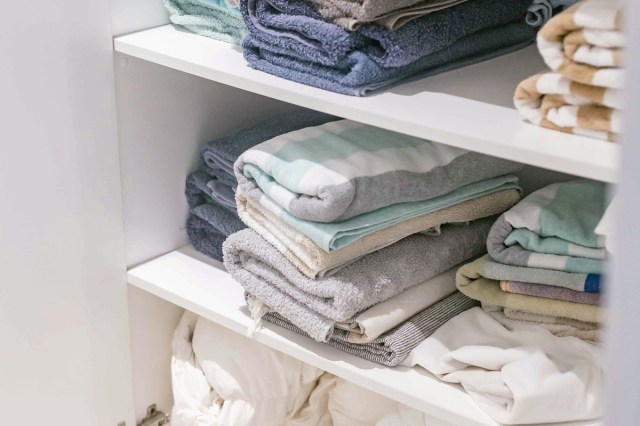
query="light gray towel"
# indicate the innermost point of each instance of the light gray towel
(316, 305)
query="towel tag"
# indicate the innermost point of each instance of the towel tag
(257, 310)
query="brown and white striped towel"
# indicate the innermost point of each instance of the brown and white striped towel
(583, 46)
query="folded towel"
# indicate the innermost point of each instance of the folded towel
(316, 305)
(202, 188)
(541, 11)
(314, 262)
(334, 236)
(607, 228)
(209, 18)
(380, 318)
(471, 281)
(393, 347)
(553, 228)
(219, 155)
(517, 377)
(584, 43)
(291, 40)
(514, 319)
(550, 292)
(553, 101)
(209, 225)
(350, 14)
(338, 170)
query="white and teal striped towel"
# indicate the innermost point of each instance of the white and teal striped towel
(340, 170)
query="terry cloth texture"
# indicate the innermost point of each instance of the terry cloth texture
(316, 305)
(291, 39)
(338, 170)
(207, 235)
(393, 347)
(314, 262)
(583, 46)
(382, 317)
(516, 377)
(514, 319)
(209, 18)
(550, 292)
(350, 14)
(553, 228)
(471, 281)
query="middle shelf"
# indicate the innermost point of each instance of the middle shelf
(469, 108)
(199, 284)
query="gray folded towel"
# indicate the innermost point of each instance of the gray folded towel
(316, 305)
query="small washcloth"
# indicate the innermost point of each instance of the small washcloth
(584, 43)
(209, 225)
(392, 348)
(553, 101)
(517, 377)
(471, 281)
(315, 262)
(342, 169)
(350, 14)
(210, 18)
(514, 319)
(550, 292)
(291, 39)
(316, 305)
(553, 228)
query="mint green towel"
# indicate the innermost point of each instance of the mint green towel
(210, 18)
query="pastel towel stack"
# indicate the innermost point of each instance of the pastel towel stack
(216, 19)
(316, 306)
(517, 377)
(544, 262)
(582, 94)
(210, 191)
(290, 39)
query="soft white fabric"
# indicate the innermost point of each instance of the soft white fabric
(223, 378)
(517, 377)
(384, 316)
(606, 227)
(352, 405)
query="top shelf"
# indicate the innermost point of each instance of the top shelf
(468, 108)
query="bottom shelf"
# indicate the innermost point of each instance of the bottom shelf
(201, 285)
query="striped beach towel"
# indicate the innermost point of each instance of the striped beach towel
(553, 228)
(583, 47)
(343, 169)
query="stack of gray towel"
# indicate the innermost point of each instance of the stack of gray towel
(356, 47)
(355, 233)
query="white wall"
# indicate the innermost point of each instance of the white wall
(64, 354)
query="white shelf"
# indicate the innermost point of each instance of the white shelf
(199, 284)
(468, 108)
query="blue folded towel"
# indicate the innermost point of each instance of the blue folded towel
(290, 39)
(209, 225)
(202, 188)
(358, 75)
(209, 18)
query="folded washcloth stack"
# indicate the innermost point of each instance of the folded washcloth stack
(545, 262)
(582, 93)
(210, 191)
(355, 231)
(310, 41)
(218, 19)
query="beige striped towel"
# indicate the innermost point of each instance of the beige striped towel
(581, 94)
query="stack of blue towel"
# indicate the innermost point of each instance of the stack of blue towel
(210, 191)
(290, 38)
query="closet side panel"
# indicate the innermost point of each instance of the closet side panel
(65, 356)
(128, 16)
(623, 334)
(164, 118)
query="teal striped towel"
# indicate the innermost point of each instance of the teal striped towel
(333, 236)
(217, 19)
(343, 169)
(553, 228)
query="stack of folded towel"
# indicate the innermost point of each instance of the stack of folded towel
(582, 93)
(355, 232)
(545, 262)
(341, 46)
(218, 19)
(210, 191)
